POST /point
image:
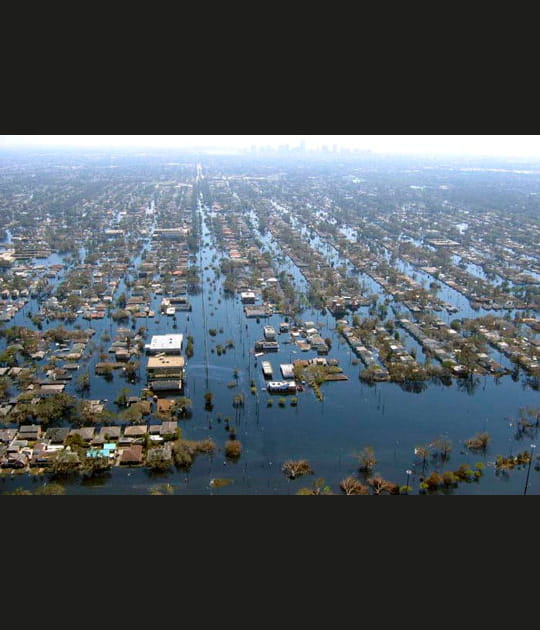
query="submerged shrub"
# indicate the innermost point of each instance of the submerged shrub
(233, 449)
(478, 442)
(367, 459)
(352, 486)
(296, 468)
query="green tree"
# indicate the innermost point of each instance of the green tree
(121, 398)
(95, 466)
(82, 383)
(51, 489)
(159, 459)
(65, 463)
(208, 397)
(318, 488)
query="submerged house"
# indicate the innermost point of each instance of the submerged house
(281, 386)
(167, 344)
(165, 373)
(132, 455)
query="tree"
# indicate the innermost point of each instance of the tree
(367, 459)
(233, 449)
(82, 383)
(208, 397)
(107, 371)
(95, 466)
(133, 414)
(423, 453)
(442, 446)
(51, 489)
(297, 468)
(53, 407)
(381, 486)
(182, 407)
(121, 398)
(65, 463)
(18, 491)
(183, 451)
(121, 301)
(449, 478)
(5, 386)
(352, 486)
(182, 454)
(478, 442)
(8, 357)
(318, 488)
(159, 458)
(130, 370)
(455, 324)
(88, 413)
(434, 481)
(238, 400)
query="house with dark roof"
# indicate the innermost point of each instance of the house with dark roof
(41, 456)
(87, 433)
(136, 430)
(29, 432)
(57, 435)
(110, 433)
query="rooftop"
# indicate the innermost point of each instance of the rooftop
(165, 362)
(164, 343)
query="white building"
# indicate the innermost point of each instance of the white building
(169, 344)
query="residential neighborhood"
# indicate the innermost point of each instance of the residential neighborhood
(174, 316)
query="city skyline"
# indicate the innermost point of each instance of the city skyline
(515, 146)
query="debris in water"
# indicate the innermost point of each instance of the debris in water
(218, 483)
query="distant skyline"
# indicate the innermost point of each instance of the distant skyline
(515, 146)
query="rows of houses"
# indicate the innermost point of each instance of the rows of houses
(31, 446)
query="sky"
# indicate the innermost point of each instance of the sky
(467, 145)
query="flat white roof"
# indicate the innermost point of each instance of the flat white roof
(166, 342)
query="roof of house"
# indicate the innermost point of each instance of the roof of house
(164, 405)
(132, 454)
(165, 362)
(112, 432)
(87, 433)
(168, 427)
(29, 428)
(136, 430)
(57, 434)
(6, 435)
(164, 343)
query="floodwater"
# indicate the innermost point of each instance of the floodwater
(328, 433)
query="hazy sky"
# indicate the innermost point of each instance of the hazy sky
(487, 145)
